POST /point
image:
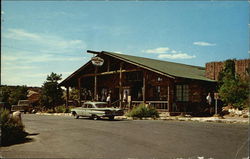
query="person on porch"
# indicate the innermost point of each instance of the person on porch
(125, 99)
(108, 100)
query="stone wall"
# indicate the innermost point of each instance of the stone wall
(213, 68)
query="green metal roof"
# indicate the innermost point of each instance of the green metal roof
(164, 67)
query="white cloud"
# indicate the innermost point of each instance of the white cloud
(19, 34)
(202, 43)
(173, 51)
(159, 50)
(118, 52)
(167, 53)
(2, 12)
(19, 67)
(176, 56)
(33, 75)
(38, 58)
(27, 61)
(52, 43)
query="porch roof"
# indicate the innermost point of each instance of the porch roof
(164, 67)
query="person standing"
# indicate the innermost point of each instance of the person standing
(108, 100)
(125, 99)
(209, 99)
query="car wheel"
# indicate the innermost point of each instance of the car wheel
(94, 117)
(75, 115)
(111, 118)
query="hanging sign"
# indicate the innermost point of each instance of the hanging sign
(97, 61)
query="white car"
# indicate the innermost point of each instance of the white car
(96, 110)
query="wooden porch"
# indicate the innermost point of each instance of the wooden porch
(128, 85)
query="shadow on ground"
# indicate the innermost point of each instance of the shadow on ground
(20, 141)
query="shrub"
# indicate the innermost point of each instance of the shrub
(62, 109)
(143, 111)
(12, 128)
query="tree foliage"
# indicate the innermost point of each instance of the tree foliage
(51, 93)
(13, 94)
(232, 90)
(5, 92)
(74, 94)
(20, 93)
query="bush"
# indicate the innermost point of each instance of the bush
(143, 111)
(12, 129)
(62, 109)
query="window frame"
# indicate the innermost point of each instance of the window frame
(182, 92)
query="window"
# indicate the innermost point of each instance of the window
(157, 92)
(90, 106)
(182, 93)
(134, 76)
(85, 106)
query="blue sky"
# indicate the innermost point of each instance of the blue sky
(52, 36)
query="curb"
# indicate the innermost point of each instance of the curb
(211, 119)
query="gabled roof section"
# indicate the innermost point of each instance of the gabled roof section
(165, 67)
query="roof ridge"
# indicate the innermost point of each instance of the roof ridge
(200, 67)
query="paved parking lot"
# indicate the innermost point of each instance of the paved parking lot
(66, 137)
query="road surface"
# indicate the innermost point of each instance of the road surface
(66, 137)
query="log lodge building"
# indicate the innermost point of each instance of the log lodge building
(168, 86)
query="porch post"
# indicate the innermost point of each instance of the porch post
(120, 85)
(144, 88)
(170, 95)
(108, 67)
(67, 96)
(95, 85)
(79, 87)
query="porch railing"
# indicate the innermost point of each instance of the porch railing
(155, 104)
(115, 103)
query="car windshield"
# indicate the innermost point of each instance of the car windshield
(101, 105)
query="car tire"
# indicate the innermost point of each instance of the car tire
(94, 117)
(75, 115)
(111, 118)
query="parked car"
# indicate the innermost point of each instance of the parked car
(22, 106)
(96, 110)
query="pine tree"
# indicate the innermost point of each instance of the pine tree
(232, 90)
(51, 93)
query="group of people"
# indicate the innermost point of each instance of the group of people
(124, 99)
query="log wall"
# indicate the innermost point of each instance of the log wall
(213, 68)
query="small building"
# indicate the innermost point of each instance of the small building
(33, 97)
(131, 80)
